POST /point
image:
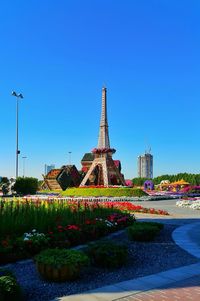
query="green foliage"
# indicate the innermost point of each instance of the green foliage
(160, 226)
(114, 192)
(59, 257)
(26, 185)
(139, 181)
(4, 184)
(95, 231)
(6, 272)
(33, 242)
(4, 180)
(107, 254)
(193, 179)
(9, 288)
(144, 231)
(23, 216)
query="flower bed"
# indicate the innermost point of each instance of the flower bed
(106, 192)
(192, 203)
(39, 224)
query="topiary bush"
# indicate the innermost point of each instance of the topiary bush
(60, 264)
(26, 185)
(107, 254)
(144, 231)
(97, 192)
(9, 288)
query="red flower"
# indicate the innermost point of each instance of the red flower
(5, 243)
(73, 227)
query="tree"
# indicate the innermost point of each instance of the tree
(4, 180)
(139, 181)
(26, 185)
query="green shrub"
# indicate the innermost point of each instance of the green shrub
(26, 185)
(107, 254)
(9, 288)
(60, 264)
(159, 225)
(144, 231)
(113, 192)
(58, 257)
(32, 242)
(6, 272)
(95, 231)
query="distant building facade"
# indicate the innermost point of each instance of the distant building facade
(48, 168)
(145, 166)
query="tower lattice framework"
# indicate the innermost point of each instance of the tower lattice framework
(103, 167)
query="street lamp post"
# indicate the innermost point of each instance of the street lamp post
(17, 138)
(69, 158)
(24, 166)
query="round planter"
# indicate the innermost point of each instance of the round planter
(58, 274)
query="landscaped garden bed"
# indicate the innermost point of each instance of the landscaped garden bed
(103, 191)
(60, 224)
(143, 258)
(47, 229)
(189, 202)
(39, 224)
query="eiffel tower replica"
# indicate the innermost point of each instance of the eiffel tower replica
(103, 167)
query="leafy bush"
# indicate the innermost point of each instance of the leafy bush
(115, 192)
(6, 272)
(33, 242)
(9, 288)
(107, 254)
(58, 257)
(60, 264)
(144, 231)
(159, 225)
(26, 185)
(95, 230)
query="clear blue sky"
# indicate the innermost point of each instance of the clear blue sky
(60, 53)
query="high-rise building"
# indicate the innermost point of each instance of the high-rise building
(145, 166)
(47, 168)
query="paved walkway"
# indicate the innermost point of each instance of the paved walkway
(176, 284)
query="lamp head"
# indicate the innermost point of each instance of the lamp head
(14, 93)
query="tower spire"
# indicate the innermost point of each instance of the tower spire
(103, 141)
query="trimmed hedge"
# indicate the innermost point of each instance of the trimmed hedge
(9, 288)
(107, 192)
(26, 185)
(144, 231)
(107, 254)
